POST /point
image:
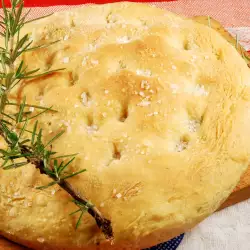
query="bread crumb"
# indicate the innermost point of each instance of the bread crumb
(102, 204)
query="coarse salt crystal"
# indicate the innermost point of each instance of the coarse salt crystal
(141, 94)
(53, 192)
(174, 88)
(76, 105)
(66, 38)
(142, 72)
(145, 84)
(119, 195)
(193, 125)
(181, 146)
(200, 91)
(31, 109)
(92, 47)
(66, 60)
(144, 103)
(84, 61)
(102, 204)
(206, 57)
(106, 91)
(91, 129)
(94, 62)
(123, 39)
(40, 239)
(84, 98)
(174, 67)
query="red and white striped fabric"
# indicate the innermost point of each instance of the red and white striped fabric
(230, 13)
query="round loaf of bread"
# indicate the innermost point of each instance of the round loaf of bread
(157, 107)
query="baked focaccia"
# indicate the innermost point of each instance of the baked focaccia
(157, 108)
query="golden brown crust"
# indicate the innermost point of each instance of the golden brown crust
(156, 105)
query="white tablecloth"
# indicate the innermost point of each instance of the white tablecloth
(228, 229)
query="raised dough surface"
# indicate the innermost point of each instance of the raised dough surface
(157, 107)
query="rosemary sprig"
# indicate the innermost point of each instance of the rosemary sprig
(25, 145)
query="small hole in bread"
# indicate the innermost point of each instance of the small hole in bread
(219, 55)
(124, 113)
(90, 120)
(183, 143)
(186, 45)
(116, 152)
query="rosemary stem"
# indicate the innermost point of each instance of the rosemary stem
(103, 223)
